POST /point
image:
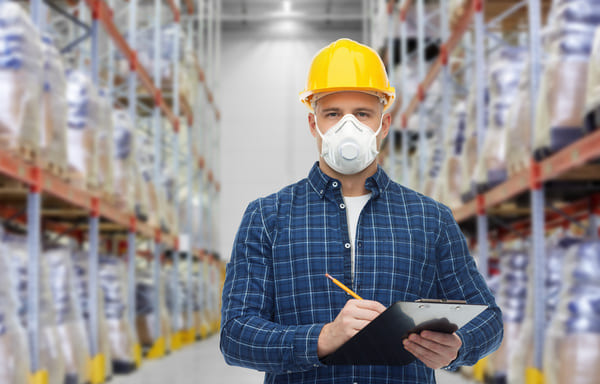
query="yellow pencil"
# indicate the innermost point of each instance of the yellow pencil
(339, 284)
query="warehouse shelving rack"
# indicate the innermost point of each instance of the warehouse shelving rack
(571, 163)
(69, 201)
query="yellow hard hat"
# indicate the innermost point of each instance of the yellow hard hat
(346, 65)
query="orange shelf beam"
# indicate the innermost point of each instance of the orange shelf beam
(575, 155)
(571, 157)
(18, 169)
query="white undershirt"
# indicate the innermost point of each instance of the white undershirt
(354, 205)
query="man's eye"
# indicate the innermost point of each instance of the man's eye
(363, 115)
(331, 114)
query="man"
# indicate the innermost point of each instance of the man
(387, 243)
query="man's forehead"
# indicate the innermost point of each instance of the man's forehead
(348, 99)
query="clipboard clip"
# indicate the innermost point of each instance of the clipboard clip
(440, 301)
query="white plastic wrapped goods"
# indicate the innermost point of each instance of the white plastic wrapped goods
(592, 97)
(573, 338)
(560, 118)
(469, 154)
(518, 130)
(14, 354)
(50, 353)
(21, 76)
(172, 289)
(451, 173)
(523, 357)
(80, 266)
(505, 69)
(145, 309)
(70, 323)
(148, 190)
(106, 150)
(53, 135)
(83, 120)
(121, 337)
(124, 144)
(512, 300)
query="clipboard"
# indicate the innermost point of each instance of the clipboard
(380, 342)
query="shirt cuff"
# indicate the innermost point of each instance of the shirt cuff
(456, 363)
(306, 340)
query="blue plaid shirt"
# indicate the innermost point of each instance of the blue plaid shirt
(276, 297)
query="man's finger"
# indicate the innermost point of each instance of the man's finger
(429, 358)
(370, 305)
(450, 340)
(428, 344)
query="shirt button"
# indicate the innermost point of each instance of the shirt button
(334, 184)
(347, 245)
(342, 206)
(316, 365)
(360, 244)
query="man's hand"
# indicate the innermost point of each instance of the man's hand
(355, 315)
(435, 349)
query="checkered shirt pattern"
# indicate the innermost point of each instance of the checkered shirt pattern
(276, 297)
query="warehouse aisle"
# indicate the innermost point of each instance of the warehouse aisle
(203, 363)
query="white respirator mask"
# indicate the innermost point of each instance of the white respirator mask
(349, 146)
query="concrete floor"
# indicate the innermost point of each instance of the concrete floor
(203, 363)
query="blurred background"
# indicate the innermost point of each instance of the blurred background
(134, 133)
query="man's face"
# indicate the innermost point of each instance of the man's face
(331, 108)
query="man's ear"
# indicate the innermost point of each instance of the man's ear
(386, 123)
(312, 124)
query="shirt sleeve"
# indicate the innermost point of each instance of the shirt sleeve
(249, 337)
(459, 279)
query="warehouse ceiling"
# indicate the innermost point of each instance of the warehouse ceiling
(312, 11)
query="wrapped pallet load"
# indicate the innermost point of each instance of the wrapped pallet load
(121, 337)
(451, 172)
(512, 300)
(105, 137)
(22, 79)
(195, 297)
(124, 161)
(592, 97)
(53, 133)
(470, 150)
(14, 353)
(524, 357)
(176, 298)
(81, 267)
(149, 191)
(506, 66)
(573, 338)
(50, 354)
(69, 317)
(82, 134)
(559, 119)
(144, 304)
(518, 129)
(146, 310)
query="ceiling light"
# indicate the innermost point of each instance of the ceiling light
(287, 6)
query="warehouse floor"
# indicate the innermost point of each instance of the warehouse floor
(203, 363)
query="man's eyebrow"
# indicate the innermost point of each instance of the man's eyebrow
(364, 109)
(330, 109)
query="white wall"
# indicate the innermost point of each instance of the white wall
(265, 140)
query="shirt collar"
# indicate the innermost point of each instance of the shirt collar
(320, 182)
